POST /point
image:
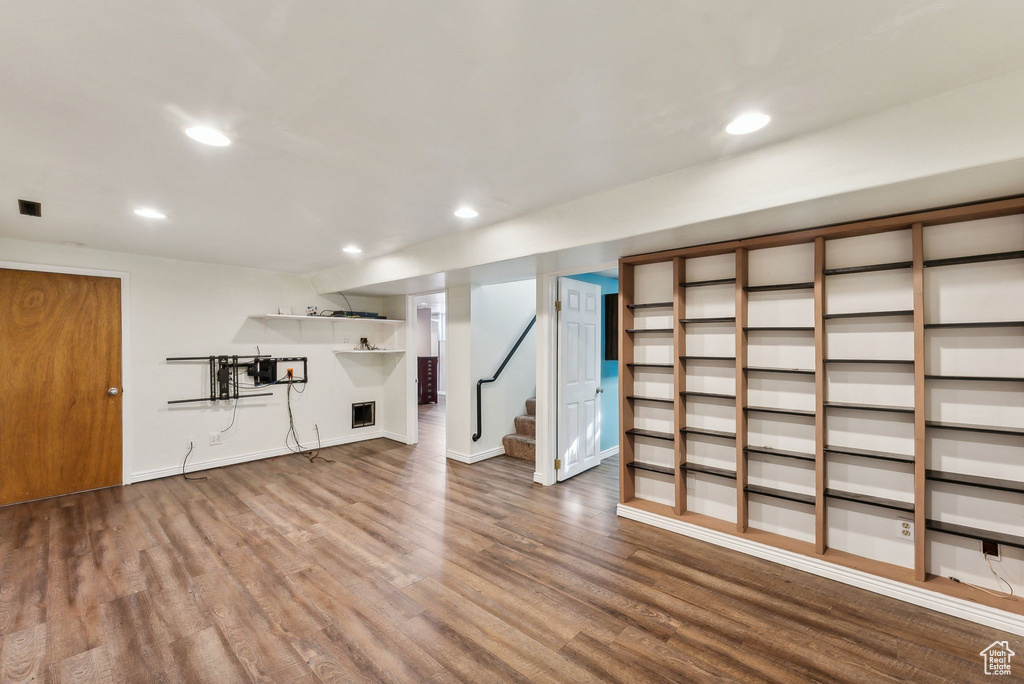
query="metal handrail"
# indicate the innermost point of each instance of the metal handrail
(481, 381)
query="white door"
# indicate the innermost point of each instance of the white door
(579, 377)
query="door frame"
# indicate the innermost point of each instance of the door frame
(412, 390)
(127, 438)
(547, 368)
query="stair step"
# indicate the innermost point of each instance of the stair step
(526, 426)
(521, 447)
(531, 406)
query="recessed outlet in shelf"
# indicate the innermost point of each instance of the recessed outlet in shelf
(990, 550)
(905, 529)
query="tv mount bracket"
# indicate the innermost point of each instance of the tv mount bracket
(262, 368)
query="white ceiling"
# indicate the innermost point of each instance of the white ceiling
(368, 122)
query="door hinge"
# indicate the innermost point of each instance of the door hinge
(558, 305)
(558, 464)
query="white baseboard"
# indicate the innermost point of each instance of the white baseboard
(395, 437)
(157, 473)
(984, 615)
(442, 392)
(539, 478)
(476, 458)
(610, 451)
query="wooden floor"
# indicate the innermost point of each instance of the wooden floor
(391, 564)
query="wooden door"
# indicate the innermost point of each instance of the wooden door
(579, 377)
(60, 423)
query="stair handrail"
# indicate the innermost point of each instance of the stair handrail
(481, 381)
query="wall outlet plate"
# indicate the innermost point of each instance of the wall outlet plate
(905, 529)
(990, 550)
(215, 438)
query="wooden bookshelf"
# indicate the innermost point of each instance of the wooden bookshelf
(908, 311)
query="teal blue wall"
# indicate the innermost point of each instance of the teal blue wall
(609, 369)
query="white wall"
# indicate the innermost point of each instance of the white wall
(459, 419)
(191, 309)
(423, 347)
(500, 313)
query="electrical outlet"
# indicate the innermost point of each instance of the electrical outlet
(215, 438)
(990, 550)
(905, 529)
(346, 340)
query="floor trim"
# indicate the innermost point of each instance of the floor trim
(255, 456)
(984, 615)
(476, 458)
(610, 451)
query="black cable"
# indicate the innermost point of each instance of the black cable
(190, 479)
(292, 434)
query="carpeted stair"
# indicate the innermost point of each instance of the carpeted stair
(522, 444)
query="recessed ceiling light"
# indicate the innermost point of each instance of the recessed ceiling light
(146, 212)
(351, 249)
(69, 243)
(208, 136)
(748, 123)
(466, 212)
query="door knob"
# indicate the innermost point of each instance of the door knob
(112, 391)
(600, 390)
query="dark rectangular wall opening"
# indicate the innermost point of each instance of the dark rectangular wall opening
(364, 415)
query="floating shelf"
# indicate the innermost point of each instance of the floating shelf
(869, 407)
(653, 434)
(975, 481)
(798, 455)
(765, 369)
(716, 319)
(709, 470)
(707, 358)
(709, 395)
(369, 351)
(869, 314)
(656, 400)
(649, 330)
(880, 362)
(708, 433)
(989, 429)
(976, 324)
(332, 319)
(783, 286)
(893, 504)
(652, 467)
(709, 283)
(891, 266)
(649, 365)
(975, 258)
(974, 378)
(652, 305)
(781, 411)
(780, 494)
(975, 533)
(870, 453)
(778, 328)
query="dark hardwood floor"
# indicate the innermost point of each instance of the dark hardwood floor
(392, 565)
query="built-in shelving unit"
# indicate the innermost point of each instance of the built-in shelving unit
(866, 363)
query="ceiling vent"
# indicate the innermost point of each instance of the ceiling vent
(30, 208)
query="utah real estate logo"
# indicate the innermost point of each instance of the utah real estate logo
(997, 658)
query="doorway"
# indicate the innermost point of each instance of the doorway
(431, 366)
(586, 357)
(60, 397)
